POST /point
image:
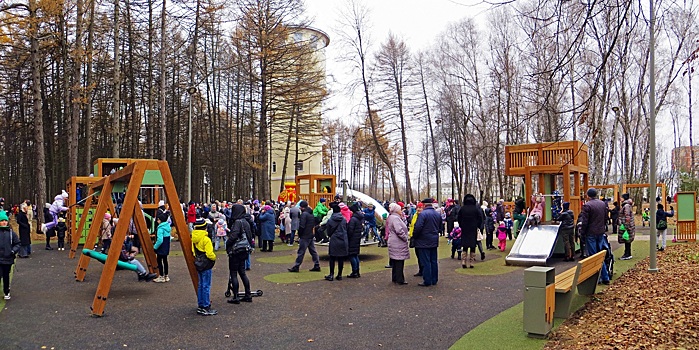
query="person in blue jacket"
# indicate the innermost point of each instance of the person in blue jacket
(267, 221)
(370, 222)
(426, 239)
(661, 224)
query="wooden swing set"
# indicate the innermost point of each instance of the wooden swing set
(131, 177)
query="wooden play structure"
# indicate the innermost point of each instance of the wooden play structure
(313, 187)
(543, 162)
(76, 208)
(601, 190)
(651, 192)
(686, 229)
(131, 177)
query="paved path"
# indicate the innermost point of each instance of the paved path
(48, 308)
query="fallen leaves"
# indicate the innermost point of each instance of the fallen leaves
(641, 309)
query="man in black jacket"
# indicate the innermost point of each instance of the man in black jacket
(306, 224)
(593, 217)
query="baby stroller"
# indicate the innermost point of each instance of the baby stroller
(609, 257)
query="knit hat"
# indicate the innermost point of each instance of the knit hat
(200, 223)
(162, 217)
(402, 205)
(592, 192)
(625, 196)
(161, 203)
(507, 215)
(267, 208)
(303, 204)
(566, 205)
(421, 205)
(342, 205)
(335, 207)
(3, 216)
(322, 200)
(107, 216)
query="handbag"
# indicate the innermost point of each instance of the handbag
(661, 225)
(242, 244)
(201, 261)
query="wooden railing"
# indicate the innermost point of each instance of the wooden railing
(520, 157)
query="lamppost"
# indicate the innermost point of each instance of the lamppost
(436, 163)
(344, 190)
(206, 196)
(191, 90)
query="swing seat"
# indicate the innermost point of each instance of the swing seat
(101, 257)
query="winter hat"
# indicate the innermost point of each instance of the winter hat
(354, 207)
(221, 221)
(161, 203)
(322, 200)
(566, 205)
(303, 204)
(402, 205)
(267, 208)
(200, 223)
(625, 196)
(3, 216)
(420, 205)
(427, 201)
(107, 216)
(47, 205)
(335, 207)
(342, 205)
(256, 202)
(507, 215)
(592, 192)
(163, 217)
(456, 224)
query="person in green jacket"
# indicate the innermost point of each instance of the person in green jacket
(201, 243)
(320, 210)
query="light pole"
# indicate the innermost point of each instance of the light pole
(191, 90)
(436, 161)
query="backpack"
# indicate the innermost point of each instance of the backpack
(661, 225)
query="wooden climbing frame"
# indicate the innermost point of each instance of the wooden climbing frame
(132, 177)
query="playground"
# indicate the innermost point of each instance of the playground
(61, 302)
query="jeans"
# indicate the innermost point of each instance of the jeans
(370, 228)
(217, 241)
(25, 250)
(141, 270)
(204, 289)
(290, 237)
(354, 262)
(489, 239)
(595, 244)
(430, 269)
(310, 244)
(236, 266)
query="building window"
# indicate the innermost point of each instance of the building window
(299, 166)
(274, 167)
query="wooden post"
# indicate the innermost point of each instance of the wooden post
(130, 203)
(179, 221)
(94, 233)
(75, 238)
(144, 236)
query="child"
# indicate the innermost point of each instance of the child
(9, 247)
(221, 233)
(489, 228)
(509, 224)
(646, 217)
(537, 211)
(106, 233)
(455, 240)
(502, 236)
(61, 229)
(162, 247)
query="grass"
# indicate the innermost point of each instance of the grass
(490, 334)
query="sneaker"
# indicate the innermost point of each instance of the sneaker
(167, 279)
(210, 312)
(43, 228)
(626, 257)
(290, 245)
(7, 296)
(201, 311)
(159, 279)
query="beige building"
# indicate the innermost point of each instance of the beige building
(309, 159)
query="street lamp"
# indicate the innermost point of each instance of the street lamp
(191, 90)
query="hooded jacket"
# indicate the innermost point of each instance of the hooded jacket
(627, 219)
(337, 231)
(306, 223)
(426, 232)
(355, 230)
(267, 225)
(369, 216)
(162, 241)
(9, 246)
(202, 242)
(239, 225)
(470, 220)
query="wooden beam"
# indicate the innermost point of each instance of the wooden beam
(94, 232)
(144, 237)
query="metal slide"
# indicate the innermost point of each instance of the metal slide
(533, 246)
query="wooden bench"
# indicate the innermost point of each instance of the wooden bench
(585, 276)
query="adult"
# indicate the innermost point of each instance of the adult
(426, 238)
(25, 237)
(470, 220)
(48, 231)
(293, 219)
(306, 224)
(267, 228)
(567, 230)
(500, 210)
(191, 215)
(614, 216)
(355, 230)
(452, 211)
(9, 247)
(628, 220)
(592, 219)
(236, 260)
(661, 225)
(30, 212)
(420, 206)
(338, 248)
(162, 247)
(398, 250)
(201, 245)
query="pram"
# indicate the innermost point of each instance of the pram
(609, 257)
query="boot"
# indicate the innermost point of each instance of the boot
(472, 259)
(465, 261)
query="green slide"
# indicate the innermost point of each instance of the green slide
(101, 257)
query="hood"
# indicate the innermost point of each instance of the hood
(238, 212)
(359, 214)
(198, 236)
(469, 199)
(337, 217)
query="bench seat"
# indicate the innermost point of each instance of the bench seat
(584, 276)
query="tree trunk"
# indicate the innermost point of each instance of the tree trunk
(116, 112)
(37, 105)
(78, 55)
(163, 77)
